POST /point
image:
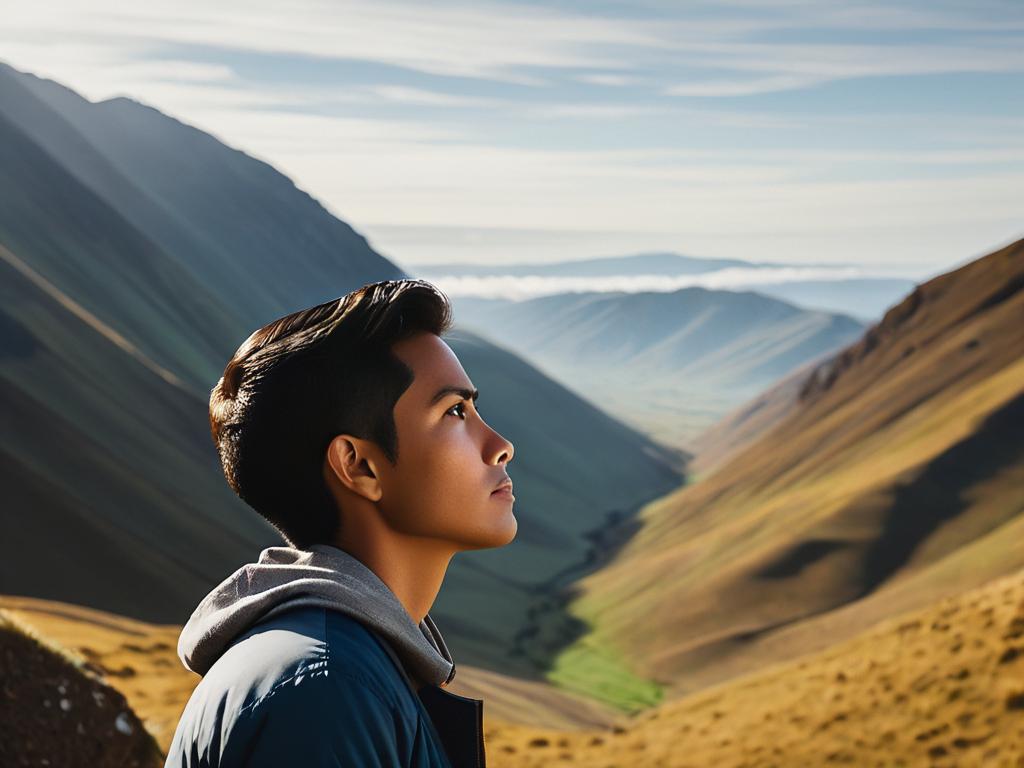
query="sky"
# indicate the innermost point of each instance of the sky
(888, 135)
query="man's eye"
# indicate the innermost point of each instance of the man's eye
(460, 405)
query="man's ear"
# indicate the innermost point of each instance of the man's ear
(349, 460)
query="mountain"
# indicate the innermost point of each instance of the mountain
(609, 266)
(137, 253)
(252, 237)
(669, 363)
(864, 298)
(114, 494)
(894, 481)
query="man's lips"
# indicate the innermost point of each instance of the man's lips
(504, 485)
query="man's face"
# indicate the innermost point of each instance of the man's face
(449, 459)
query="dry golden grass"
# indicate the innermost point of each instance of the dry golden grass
(942, 686)
(887, 474)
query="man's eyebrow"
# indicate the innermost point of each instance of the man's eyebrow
(455, 390)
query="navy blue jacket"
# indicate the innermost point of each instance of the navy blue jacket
(315, 687)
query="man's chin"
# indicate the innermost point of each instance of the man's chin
(497, 537)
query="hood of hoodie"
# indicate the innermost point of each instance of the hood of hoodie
(322, 575)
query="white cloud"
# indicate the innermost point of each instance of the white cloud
(518, 287)
(589, 111)
(405, 95)
(743, 87)
(780, 66)
(609, 79)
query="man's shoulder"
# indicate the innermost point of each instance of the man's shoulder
(308, 686)
(306, 643)
(307, 669)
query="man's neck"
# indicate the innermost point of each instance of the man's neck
(413, 568)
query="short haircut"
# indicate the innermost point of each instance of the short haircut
(296, 383)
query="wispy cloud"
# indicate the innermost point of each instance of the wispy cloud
(612, 80)
(488, 40)
(518, 287)
(744, 87)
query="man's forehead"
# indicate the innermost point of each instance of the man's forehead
(433, 362)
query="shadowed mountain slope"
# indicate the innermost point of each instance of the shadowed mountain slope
(240, 225)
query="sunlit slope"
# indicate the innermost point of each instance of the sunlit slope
(669, 363)
(943, 685)
(897, 479)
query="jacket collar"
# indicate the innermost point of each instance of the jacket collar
(458, 720)
(322, 575)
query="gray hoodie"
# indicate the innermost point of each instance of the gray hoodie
(323, 575)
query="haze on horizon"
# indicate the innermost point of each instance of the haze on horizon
(888, 135)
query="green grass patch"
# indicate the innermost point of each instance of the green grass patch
(596, 670)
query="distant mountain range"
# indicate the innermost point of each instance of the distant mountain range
(136, 253)
(886, 477)
(607, 266)
(864, 298)
(670, 363)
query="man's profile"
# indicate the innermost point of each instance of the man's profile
(351, 427)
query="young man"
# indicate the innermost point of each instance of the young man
(353, 428)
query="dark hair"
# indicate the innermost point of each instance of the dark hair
(295, 384)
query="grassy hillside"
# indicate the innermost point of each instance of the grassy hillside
(895, 481)
(940, 686)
